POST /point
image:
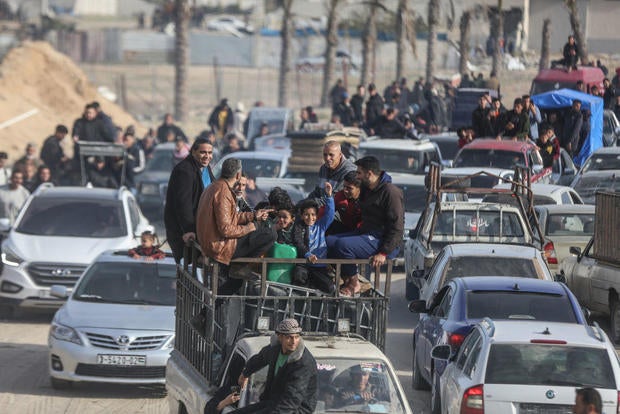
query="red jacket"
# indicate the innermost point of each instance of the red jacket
(348, 211)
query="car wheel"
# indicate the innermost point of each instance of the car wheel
(417, 381)
(412, 292)
(615, 320)
(435, 395)
(59, 384)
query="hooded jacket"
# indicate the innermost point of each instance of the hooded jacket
(294, 389)
(383, 213)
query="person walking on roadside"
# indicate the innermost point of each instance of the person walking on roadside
(292, 377)
(187, 182)
(13, 196)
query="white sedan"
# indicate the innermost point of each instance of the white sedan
(527, 367)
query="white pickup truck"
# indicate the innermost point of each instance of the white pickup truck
(594, 273)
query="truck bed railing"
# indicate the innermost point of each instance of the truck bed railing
(208, 324)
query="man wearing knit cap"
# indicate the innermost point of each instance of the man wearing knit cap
(291, 385)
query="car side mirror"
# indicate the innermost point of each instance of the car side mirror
(560, 278)
(575, 250)
(5, 225)
(442, 352)
(413, 234)
(417, 306)
(59, 291)
(587, 314)
(617, 131)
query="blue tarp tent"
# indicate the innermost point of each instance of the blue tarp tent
(563, 98)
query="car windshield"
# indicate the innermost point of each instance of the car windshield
(162, 161)
(63, 217)
(588, 186)
(505, 160)
(600, 162)
(448, 148)
(139, 282)
(415, 197)
(550, 365)
(340, 381)
(470, 223)
(519, 305)
(489, 266)
(570, 225)
(256, 167)
(399, 161)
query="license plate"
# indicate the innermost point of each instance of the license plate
(121, 359)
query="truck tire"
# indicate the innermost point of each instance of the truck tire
(614, 319)
(417, 382)
(59, 384)
(412, 292)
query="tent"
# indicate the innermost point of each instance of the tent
(563, 98)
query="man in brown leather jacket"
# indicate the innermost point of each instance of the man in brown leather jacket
(223, 232)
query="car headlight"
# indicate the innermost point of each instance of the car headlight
(169, 344)
(64, 333)
(9, 258)
(149, 189)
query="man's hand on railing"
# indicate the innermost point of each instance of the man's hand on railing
(378, 259)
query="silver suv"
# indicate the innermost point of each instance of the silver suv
(59, 231)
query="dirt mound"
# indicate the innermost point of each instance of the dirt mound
(40, 88)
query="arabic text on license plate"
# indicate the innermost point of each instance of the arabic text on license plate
(121, 359)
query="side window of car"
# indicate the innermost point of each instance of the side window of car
(466, 348)
(134, 213)
(442, 310)
(566, 198)
(472, 361)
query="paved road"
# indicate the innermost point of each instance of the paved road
(25, 387)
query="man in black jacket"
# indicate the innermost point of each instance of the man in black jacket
(168, 127)
(374, 106)
(187, 181)
(381, 231)
(52, 153)
(572, 128)
(291, 385)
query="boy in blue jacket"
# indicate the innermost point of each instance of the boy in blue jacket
(309, 239)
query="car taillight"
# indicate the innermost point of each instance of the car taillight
(473, 400)
(455, 340)
(550, 255)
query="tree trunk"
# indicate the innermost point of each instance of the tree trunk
(402, 17)
(369, 41)
(433, 17)
(330, 48)
(285, 56)
(411, 33)
(464, 27)
(575, 22)
(499, 36)
(181, 58)
(544, 48)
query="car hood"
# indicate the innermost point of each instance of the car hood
(77, 314)
(79, 250)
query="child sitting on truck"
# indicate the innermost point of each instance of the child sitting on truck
(309, 239)
(148, 249)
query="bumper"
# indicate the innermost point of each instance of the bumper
(29, 295)
(79, 363)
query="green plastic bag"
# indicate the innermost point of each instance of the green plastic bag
(281, 272)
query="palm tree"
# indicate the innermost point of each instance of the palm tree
(331, 44)
(575, 22)
(181, 56)
(402, 15)
(369, 41)
(498, 28)
(285, 56)
(464, 27)
(544, 48)
(433, 19)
